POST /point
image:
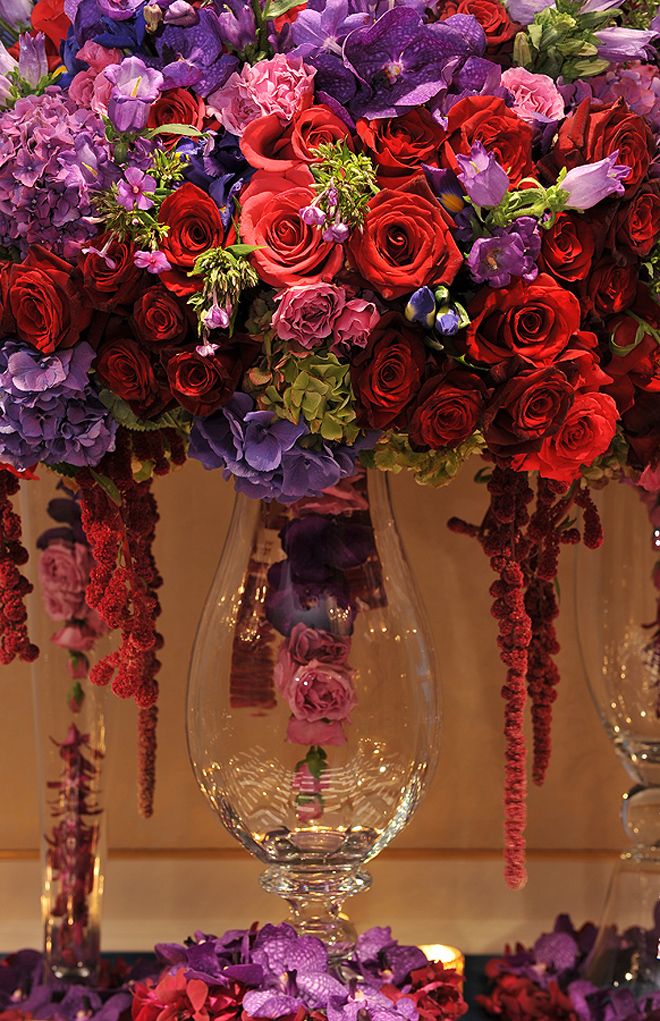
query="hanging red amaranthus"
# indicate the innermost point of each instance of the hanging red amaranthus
(119, 515)
(524, 552)
(14, 587)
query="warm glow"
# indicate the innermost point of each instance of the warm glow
(451, 957)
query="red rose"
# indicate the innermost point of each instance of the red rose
(48, 17)
(568, 247)
(176, 106)
(46, 301)
(448, 410)
(317, 125)
(268, 145)
(400, 145)
(533, 321)
(489, 121)
(195, 226)
(492, 16)
(290, 252)
(114, 280)
(519, 998)
(405, 242)
(202, 384)
(529, 407)
(641, 425)
(635, 363)
(611, 287)
(158, 318)
(126, 369)
(585, 434)
(386, 375)
(595, 131)
(637, 224)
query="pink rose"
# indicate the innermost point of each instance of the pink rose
(81, 88)
(98, 56)
(87, 88)
(535, 96)
(75, 638)
(306, 315)
(308, 643)
(353, 326)
(282, 85)
(318, 691)
(64, 569)
(320, 732)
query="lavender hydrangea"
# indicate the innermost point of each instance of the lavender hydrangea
(49, 410)
(53, 156)
(267, 456)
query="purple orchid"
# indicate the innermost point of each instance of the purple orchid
(135, 88)
(135, 189)
(196, 55)
(398, 61)
(588, 185)
(511, 252)
(325, 28)
(369, 1005)
(484, 180)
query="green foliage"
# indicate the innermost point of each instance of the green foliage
(344, 182)
(226, 272)
(561, 41)
(177, 419)
(430, 467)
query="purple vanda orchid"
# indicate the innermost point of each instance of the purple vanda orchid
(588, 185)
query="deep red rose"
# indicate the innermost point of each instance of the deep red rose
(316, 126)
(448, 410)
(406, 242)
(387, 373)
(641, 425)
(519, 998)
(46, 301)
(195, 226)
(489, 120)
(492, 16)
(112, 281)
(568, 247)
(611, 287)
(127, 370)
(637, 223)
(176, 106)
(595, 131)
(290, 252)
(266, 144)
(635, 363)
(585, 434)
(529, 407)
(580, 360)
(48, 17)
(534, 321)
(400, 145)
(202, 384)
(158, 318)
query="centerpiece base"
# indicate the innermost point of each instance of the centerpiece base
(315, 896)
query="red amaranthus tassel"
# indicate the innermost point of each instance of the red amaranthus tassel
(14, 587)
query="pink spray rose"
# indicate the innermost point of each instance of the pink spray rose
(352, 328)
(318, 691)
(64, 569)
(319, 732)
(306, 315)
(535, 96)
(282, 85)
(90, 89)
(308, 643)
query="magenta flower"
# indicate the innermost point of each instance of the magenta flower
(484, 180)
(135, 189)
(588, 185)
(153, 262)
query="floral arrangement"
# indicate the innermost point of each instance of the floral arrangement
(257, 973)
(549, 981)
(287, 239)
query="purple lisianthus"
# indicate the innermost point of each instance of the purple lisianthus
(484, 180)
(16, 13)
(399, 61)
(120, 10)
(49, 410)
(588, 185)
(510, 252)
(135, 88)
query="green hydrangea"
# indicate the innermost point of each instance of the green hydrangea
(429, 467)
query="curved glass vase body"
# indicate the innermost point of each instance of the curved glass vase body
(618, 592)
(312, 708)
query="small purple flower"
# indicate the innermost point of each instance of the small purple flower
(620, 44)
(207, 350)
(447, 322)
(312, 216)
(337, 233)
(135, 188)
(588, 185)
(511, 252)
(217, 318)
(179, 12)
(136, 87)
(421, 307)
(484, 180)
(236, 23)
(32, 59)
(154, 262)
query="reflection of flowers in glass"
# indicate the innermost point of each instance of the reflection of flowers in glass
(64, 569)
(318, 691)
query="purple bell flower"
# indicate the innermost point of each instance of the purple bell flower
(484, 180)
(511, 252)
(136, 87)
(312, 216)
(588, 185)
(620, 44)
(236, 23)
(32, 60)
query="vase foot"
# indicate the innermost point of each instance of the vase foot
(315, 897)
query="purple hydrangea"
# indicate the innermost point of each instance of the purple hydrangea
(265, 454)
(49, 411)
(510, 252)
(53, 157)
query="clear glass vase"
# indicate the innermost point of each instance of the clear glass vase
(312, 704)
(618, 594)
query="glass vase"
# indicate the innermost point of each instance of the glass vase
(312, 705)
(618, 598)
(70, 731)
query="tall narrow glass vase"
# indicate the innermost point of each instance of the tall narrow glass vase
(618, 597)
(312, 705)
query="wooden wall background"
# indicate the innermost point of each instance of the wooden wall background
(180, 869)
